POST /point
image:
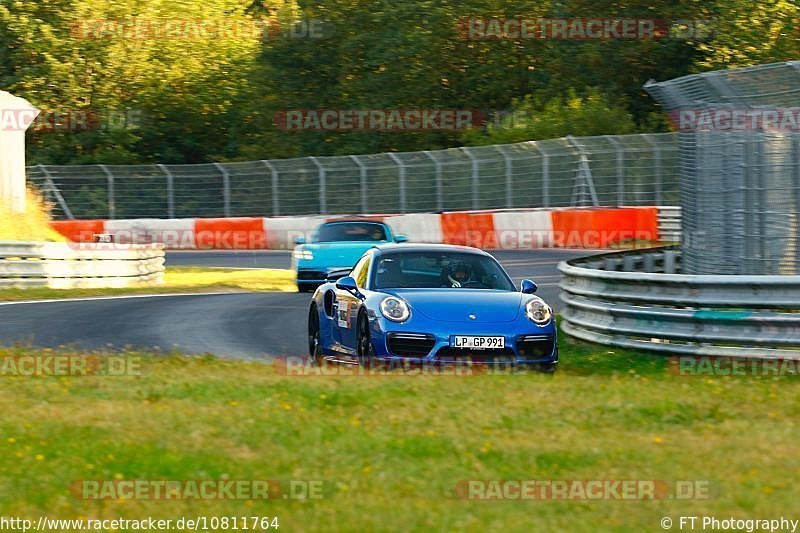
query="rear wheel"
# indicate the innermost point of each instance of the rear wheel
(314, 337)
(364, 351)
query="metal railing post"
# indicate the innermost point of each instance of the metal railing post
(55, 192)
(545, 173)
(437, 165)
(584, 170)
(402, 177)
(112, 208)
(509, 169)
(276, 205)
(170, 191)
(362, 180)
(475, 178)
(226, 189)
(620, 169)
(323, 201)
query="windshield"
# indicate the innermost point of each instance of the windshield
(440, 270)
(351, 231)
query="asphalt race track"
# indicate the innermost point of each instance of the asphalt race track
(241, 325)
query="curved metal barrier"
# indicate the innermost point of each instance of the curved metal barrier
(638, 299)
(60, 265)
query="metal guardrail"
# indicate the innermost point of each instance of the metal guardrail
(638, 299)
(66, 266)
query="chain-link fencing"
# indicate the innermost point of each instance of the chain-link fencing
(740, 168)
(608, 170)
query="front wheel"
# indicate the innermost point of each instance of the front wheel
(547, 368)
(305, 287)
(314, 337)
(364, 351)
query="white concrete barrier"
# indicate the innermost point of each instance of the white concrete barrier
(418, 227)
(523, 230)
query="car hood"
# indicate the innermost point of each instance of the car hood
(456, 305)
(341, 254)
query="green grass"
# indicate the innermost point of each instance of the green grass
(390, 450)
(176, 280)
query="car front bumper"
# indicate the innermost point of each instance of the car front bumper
(525, 342)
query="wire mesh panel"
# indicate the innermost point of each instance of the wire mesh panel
(197, 190)
(568, 173)
(81, 190)
(301, 183)
(140, 191)
(253, 189)
(423, 182)
(739, 180)
(342, 179)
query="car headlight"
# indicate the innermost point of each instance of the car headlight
(303, 254)
(538, 311)
(395, 309)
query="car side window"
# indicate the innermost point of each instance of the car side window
(361, 270)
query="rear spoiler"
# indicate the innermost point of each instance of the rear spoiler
(338, 273)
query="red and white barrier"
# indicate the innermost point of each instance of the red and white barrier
(523, 229)
(174, 233)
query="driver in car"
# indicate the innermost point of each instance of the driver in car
(458, 274)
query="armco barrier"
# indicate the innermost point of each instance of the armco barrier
(64, 266)
(638, 299)
(509, 229)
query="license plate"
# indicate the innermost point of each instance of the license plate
(478, 343)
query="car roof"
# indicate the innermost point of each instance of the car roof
(349, 220)
(422, 247)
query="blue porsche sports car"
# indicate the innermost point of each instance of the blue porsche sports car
(428, 303)
(335, 246)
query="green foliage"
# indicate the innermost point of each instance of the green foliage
(208, 98)
(592, 114)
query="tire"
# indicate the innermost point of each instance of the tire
(314, 336)
(305, 287)
(547, 368)
(364, 350)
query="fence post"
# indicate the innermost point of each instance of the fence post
(323, 201)
(656, 167)
(362, 173)
(226, 190)
(620, 169)
(402, 176)
(170, 191)
(545, 173)
(437, 165)
(276, 204)
(475, 176)
(55, 192)
(509, 197)
(112, 208)
(585, 171)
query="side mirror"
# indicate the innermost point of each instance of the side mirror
(347, 283)
(527, 286)
(400, 238)
(300, 240)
